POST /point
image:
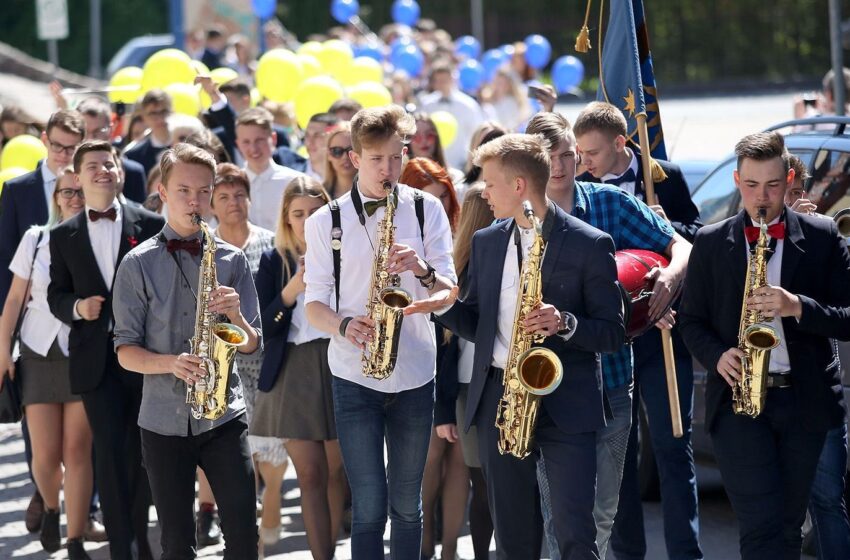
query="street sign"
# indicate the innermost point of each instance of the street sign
(52, 19)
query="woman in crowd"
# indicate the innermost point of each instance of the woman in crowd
(295, 401)
(485, 132)
(426, 143)
(339, 171)
(475, 215)
(444, 467)
(507, 101)
(58, 425)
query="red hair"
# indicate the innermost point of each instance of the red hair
(421, 172)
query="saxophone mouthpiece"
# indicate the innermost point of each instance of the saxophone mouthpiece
(387, 186)
(527, 209)
(196, 219)
(762, 213)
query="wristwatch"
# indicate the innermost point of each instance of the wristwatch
(429, 278)
(568, 324)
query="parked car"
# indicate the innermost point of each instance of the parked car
(823, 143)
(136, 51)
(695, 170)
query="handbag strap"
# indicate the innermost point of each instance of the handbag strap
(26, 300)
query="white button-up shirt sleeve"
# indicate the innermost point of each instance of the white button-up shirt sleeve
(318, 262)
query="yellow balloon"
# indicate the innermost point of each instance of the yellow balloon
(185, 98)
(363, 69)
(334, 57)
(24, 151)
(279, 73)
(201, 69)
(168, 66)
(446, 125)
(311, 65)
(310, 47)
(10, 173)
(127, 77)
(315, 95)
(370, 94)
(219, 76)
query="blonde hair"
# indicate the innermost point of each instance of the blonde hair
(54, 216)
(331, 179)
(520, 155)
(378, 124)
(284, 238)
(184, 153)
(475, 214)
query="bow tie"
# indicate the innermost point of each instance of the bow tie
(627, 177)
(109, 214)
(776, 231)
(372, 205)
(191, 246)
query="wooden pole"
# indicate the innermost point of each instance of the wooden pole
(666, 340)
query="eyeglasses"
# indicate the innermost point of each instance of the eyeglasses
(68, 194)
(338, 151)
(58, 148)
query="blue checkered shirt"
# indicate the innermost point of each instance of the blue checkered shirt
(632, 225)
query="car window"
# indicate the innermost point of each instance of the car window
(717, 194)
(829, 186)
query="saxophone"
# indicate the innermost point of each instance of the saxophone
(386, 301)
(755, 337)
(531, 372)
(215, 343)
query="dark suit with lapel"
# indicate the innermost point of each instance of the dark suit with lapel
(578, 275)
(275, 315)
(135, 180)
(145, 153)
(22, 205)
(111, 395)
(816, 267)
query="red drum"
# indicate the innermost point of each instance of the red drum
(632, 268)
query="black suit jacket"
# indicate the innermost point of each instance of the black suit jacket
(673, 195)
(74, 275)
(135, 180)
(22, 205)
(579, 275)
(145, 153)
(275, 315)
(816, 267)
(223, 124)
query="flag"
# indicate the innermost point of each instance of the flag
(626, 77)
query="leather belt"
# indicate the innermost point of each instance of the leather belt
(779, 380)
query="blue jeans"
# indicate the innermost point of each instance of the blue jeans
(826, 503)
(364, 417)
(674, 457)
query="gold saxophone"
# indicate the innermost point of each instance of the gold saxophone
(215, 343)
(386, 301)
(755, 337)
(530, 372)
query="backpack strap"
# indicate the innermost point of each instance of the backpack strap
(336, 245)
(419, 203)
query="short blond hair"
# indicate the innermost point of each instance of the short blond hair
(378, 124)
(602, 117)
(256, 116)
(185, 153)
(519, 155)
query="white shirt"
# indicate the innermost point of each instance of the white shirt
(312, 172)
(466, 360)
(779, 360)
(49, 180)
(105, 236)
(40, 327)
(628, 186)
(469, 116)
(508, 296)
(417, 354)
(300, 331)
(267, 194)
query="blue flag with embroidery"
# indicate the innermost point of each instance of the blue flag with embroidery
(626, 78)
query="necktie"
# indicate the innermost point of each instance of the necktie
(627, 177)
(191, 246)
(372, 205)
(110, 214)
(776, 231)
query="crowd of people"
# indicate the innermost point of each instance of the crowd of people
(103, 263)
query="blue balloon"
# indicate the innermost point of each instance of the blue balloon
(467, 47)
(405, 12)
(263, 9)
(537, 51)
(491, 61)
(408, 58)
(508, 50)
(344, 10)
(371, 51)
(471, 75)
(400, 42)
(567, 73)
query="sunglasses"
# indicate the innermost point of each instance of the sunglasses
(68, 194)
(337, 151)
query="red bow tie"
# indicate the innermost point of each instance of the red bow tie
(191, 246)
(776, 231)
(109, 214)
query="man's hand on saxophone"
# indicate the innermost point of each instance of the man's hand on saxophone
(775, 301)
(545, 319)
(729, 365)
(186, 367)
(224, 300)
(402, 258)
(360, 330)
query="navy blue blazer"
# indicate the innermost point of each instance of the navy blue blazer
(816, 267)
(275, 315)
(673, 195)
(22, 205)
(144, 153)
(135, 180)
(579, 275)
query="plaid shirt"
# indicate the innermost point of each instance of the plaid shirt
(632, 225)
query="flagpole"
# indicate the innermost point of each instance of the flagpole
(666, 339)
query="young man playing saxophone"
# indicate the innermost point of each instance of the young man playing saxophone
(768, 461)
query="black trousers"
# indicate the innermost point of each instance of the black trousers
(768, 464)
(224, 455)
(112, 409)
(512, 486)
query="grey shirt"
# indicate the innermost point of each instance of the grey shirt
(154, 308)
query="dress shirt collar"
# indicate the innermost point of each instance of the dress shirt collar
(46, 174)
(115, 204)
(633, 165)
(262, 175)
